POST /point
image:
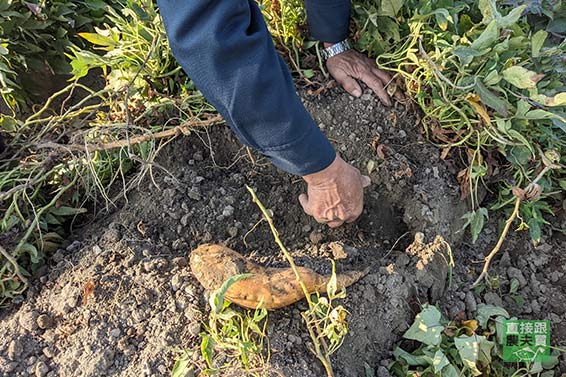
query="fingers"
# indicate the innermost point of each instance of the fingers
(382, 75)
(303, 199)
(375, 84)
(348, 83)
(335, 223)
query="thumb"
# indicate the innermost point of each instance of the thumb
(348, 83)
(303, 199)
(366, 181)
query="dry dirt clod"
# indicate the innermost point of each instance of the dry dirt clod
(44, 321)
(315, 237)
(28, 320)
(41, 369)
(15, 349)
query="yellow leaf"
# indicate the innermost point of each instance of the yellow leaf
(479, 107)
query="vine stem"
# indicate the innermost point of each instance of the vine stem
(520, 196)
(494, 251)
(182, 129)
(318, 341)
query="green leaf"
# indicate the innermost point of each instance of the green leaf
(390, 8)
(66, 211)
(410, 359)
(466, 54)
(521, 77)
(8, 123)
(332, 284)
(537, 41)
(511, 18)
(97, 39)
(206, 345)
(450, 371)
(559, 99)
(439, 361)
(473, 349)
(490, 99)
(488, 10)
(539, 114)
(535, 230)
(484, 312)
(216, 299)
(487, 38)
(426, 328)
(181, 367)
(476, 220)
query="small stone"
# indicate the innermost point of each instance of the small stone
(115, 333)
(505, 260)
(555, 276)
(535, 306)
(185, 219)
(513, 272)
(493, 298)
(193, 194)
(383, 372)
(176, 282)
(307, 228)
(58, 256)
(228, 211)
(155, 264)
(179, 261)
(471, 304)
(28, 320)
(232, 231)
(15, 348)
(315, 237)
(9, 367)
(194, 328)
(206, 237)
(49, 352)
(162, 369)
(402, 134)
(198, 156)
(41, 369)
(44, 321)
(74, 246)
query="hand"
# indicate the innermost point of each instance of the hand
(350, 66)
(335, 194)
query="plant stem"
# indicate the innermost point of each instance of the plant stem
(322, 356)
(494, 251)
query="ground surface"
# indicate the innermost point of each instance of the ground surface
(147, 305)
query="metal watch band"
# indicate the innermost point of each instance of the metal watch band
(335, 49)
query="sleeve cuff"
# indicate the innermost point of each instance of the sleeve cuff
(310, 154)
(328, 19)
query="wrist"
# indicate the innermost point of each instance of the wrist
(332, 49)
(325, 175)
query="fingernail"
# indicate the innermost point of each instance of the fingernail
(356, 93)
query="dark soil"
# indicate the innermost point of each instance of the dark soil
(147, 305)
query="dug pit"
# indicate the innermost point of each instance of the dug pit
(122, 299)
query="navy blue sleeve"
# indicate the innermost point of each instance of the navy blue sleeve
(328, 19)
(226, 49)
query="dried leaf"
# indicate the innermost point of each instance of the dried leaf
(88, 290)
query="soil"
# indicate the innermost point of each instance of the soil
(121, 299)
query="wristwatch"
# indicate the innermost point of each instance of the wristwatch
(335, 49)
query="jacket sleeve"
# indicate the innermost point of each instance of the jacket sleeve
(226, 49)
(328, 19)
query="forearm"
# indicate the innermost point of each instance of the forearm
(225, 48)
